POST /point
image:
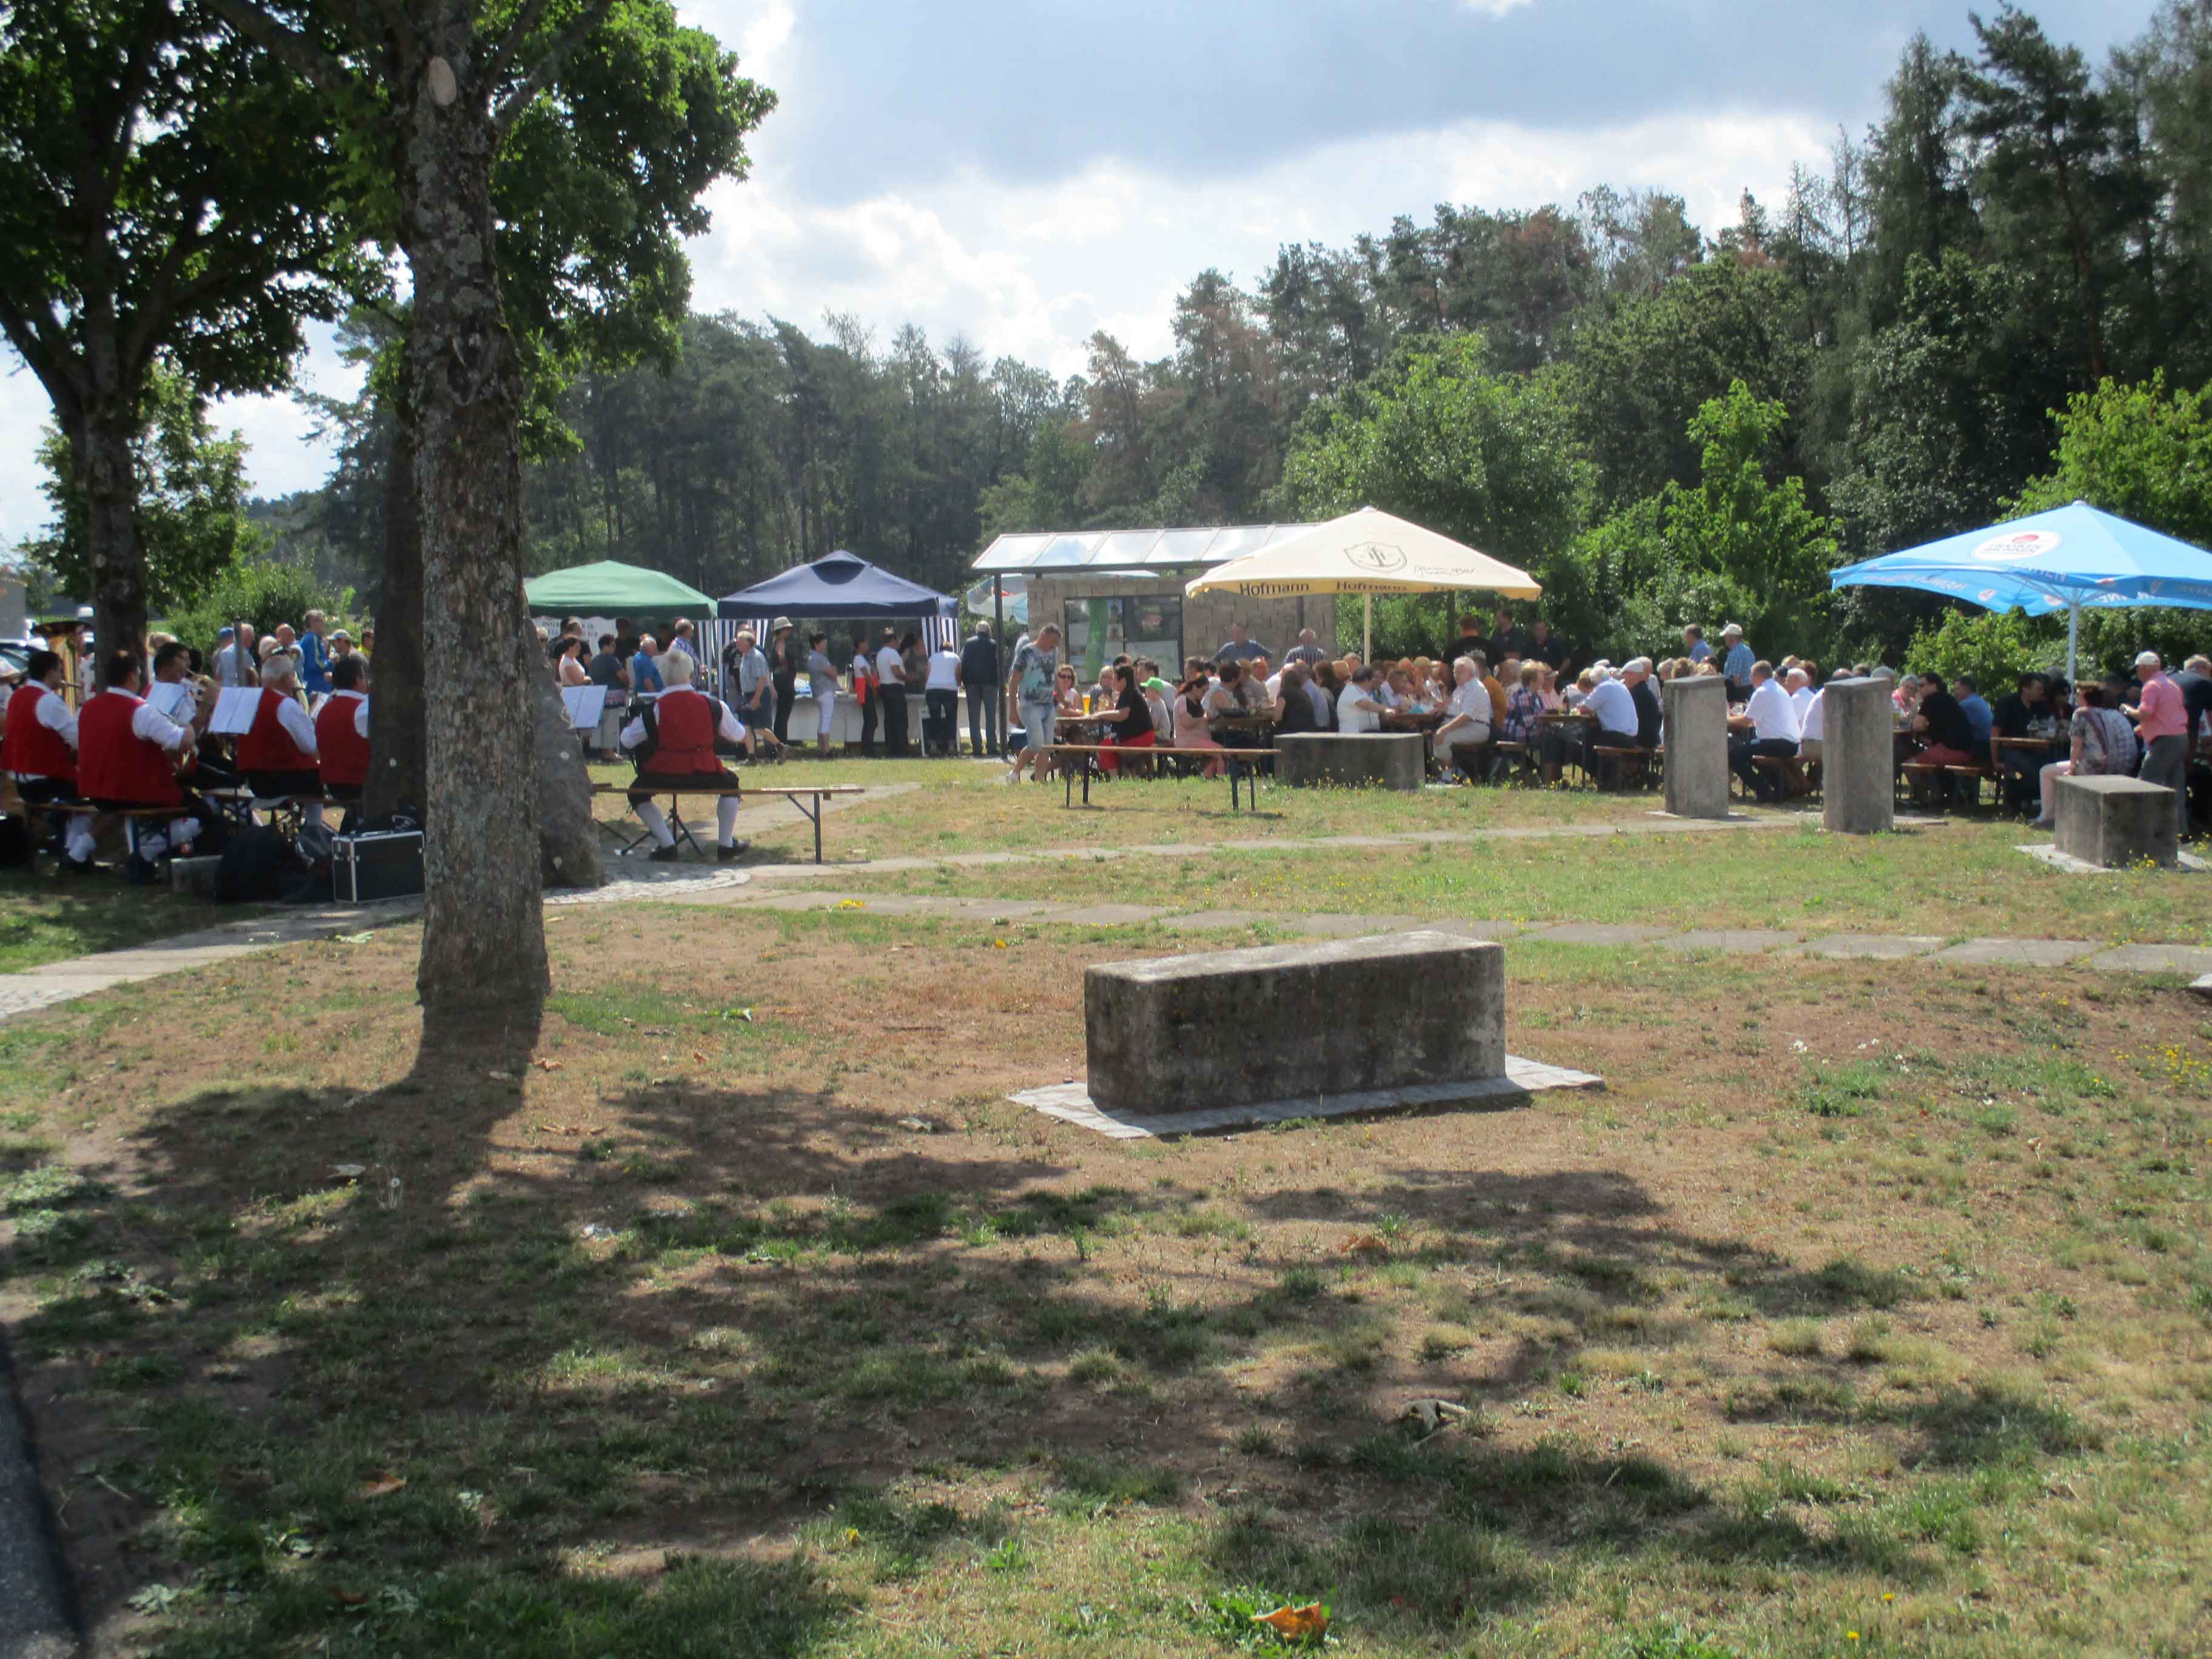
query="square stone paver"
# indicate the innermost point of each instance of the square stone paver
(1879, 947)
(2017, 953)
(1199, 922)
(1335, 925)
(1459, 929)
(2156, 959)
(1109, 915)
(1598, 933)
(1739, 941)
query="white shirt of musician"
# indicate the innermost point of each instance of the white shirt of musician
(156, 727)
(59, 718)
(299, 725)
(360, 710)
(891, 668)
(730, 728)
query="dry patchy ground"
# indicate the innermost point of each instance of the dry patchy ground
(734, 1310)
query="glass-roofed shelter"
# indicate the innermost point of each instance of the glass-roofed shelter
(1112, 591)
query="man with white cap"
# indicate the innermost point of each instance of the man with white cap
(1736, 664)
(675, 736)
(2161, 718)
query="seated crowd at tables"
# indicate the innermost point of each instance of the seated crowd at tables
(1500, 701)
(140, 749)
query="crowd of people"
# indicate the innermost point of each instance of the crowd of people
(1512, 699)
(134, 739)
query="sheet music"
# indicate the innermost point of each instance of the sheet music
(586, 704)
(235, 710)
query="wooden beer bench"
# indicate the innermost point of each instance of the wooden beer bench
(1238, 765)
(810, 807)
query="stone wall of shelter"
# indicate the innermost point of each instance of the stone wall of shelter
(1206, 617)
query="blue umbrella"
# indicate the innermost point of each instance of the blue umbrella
(2073, 559)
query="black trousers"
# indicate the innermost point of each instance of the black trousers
(786, 694)
(286, 783)
(895, 731)
(1743, 751)
(940, 733)
(870, 707)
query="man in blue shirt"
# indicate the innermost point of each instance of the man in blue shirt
(1736, 665)
(1240, 646)
(1979, 715)
(1693, 641)
(314, 659)
(644, 673)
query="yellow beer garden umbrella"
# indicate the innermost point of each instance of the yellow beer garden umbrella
(1367, 552)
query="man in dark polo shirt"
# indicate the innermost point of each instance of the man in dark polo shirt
(1944, 725)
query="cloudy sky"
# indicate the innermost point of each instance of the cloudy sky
(1025, 171)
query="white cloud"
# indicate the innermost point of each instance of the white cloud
(1032, 270)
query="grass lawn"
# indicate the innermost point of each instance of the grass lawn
(45, 919)
(963, 807)
(1958, 879)
(732, 1310)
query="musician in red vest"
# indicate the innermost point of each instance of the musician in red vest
(675, 734)
(39, 752)
(342, 732)
(128, 755)
(278, 752)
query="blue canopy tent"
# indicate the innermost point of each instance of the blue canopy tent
(838, 587)
(2073, 559)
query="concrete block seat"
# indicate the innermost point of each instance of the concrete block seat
(1232, 1027)
(1386, 760)
(2117, 822)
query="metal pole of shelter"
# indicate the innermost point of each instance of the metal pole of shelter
(2073, 637)
(1367, 629)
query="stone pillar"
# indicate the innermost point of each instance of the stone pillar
(1353, 760)
(1859, 757)
(1697, 746)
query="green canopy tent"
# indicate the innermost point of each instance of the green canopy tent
(610, 588)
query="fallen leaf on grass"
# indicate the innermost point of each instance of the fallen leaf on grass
(1306, 1624)
(354, 939)
(1363, 1244)
(560, 1128)
(501, 1077)
(349, 1170)
(384, 1486)
(701, 1056)
(920, 1126)
(744, 1014)
(351, 1598)
(548, 1065)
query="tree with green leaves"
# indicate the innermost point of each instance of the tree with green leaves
(436, 97)
(2060, 172)
(165, 200)
(189, 517)
(1491, 461)
(1742, 542)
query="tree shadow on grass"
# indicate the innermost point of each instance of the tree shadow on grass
(589, 1362)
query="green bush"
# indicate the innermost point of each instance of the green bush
(263, 591)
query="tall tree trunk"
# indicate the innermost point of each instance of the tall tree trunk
(483, 935)
(107, 472)
(396, 710)
(568, 848)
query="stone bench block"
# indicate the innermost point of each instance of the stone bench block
(1228, 1028)
(194, 875)
(1695, 712)
(1390, 760)
(2114, 822)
